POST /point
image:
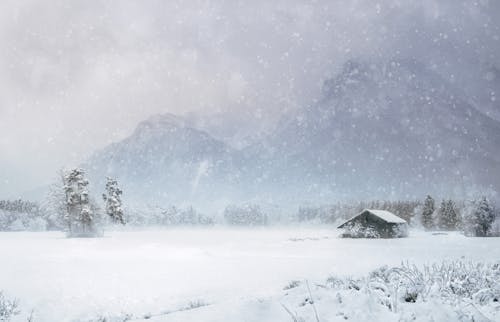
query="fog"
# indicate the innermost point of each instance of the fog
(78, 75)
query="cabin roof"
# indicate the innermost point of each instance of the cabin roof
(385, 215)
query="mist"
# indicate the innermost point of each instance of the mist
(79, 75)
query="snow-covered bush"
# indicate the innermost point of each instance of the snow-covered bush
(8, 308)
(21, 215)
(174, 216)
(171, 216)
(478, 218)
(450, 282)
(448, 291)
(356, 230)
(292, 284)
(245, 215)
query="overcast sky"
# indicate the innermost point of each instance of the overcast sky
(77, 75)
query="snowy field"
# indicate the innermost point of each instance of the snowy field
(232, 274)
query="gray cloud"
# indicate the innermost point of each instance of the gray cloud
(77, 75)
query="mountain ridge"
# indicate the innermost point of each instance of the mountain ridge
(390, 129)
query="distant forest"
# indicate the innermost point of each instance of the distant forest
(477, 217)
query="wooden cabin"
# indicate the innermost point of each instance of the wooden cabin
(372, 223)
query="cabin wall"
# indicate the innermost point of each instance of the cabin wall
(399, 230)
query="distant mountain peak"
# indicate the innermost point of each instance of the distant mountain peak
(356, 73)
(160, 122)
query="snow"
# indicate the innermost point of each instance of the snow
(382, 214)
(387, 216)
(232, 274)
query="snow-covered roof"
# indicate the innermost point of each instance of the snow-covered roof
(386, 216)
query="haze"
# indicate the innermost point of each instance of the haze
(78, 75)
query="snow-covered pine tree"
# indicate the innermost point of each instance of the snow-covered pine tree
(441, 215)
(448, 217)
(80, 215)
(479, 218)
(189, 216)
(54, 204)
(112, 199)
(453, 216)
(428, 213)
(169, 216)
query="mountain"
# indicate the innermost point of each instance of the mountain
(394, 129)
(164, 159)
(388, 129)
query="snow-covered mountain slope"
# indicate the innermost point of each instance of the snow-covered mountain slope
(395, 129)
(164, 159)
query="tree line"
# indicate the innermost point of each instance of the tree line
(475, 218)
(71, 208)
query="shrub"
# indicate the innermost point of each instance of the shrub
(356, 230)
(245, 215)
(8, 308)
(452, 282)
